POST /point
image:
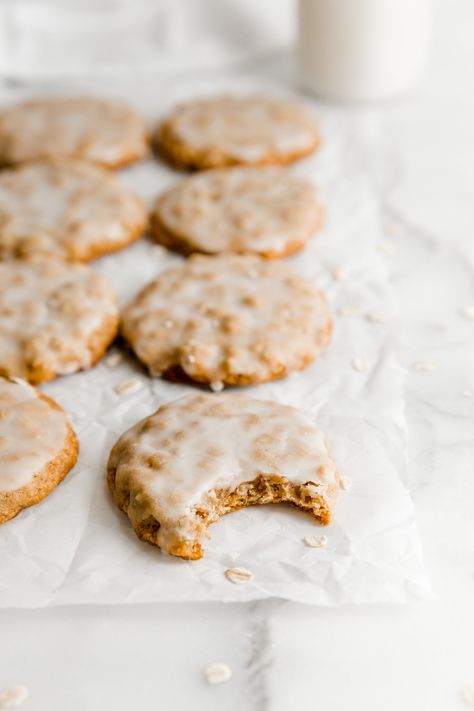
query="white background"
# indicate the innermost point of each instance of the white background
(289, 656)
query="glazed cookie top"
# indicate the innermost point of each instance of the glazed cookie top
(67, 209)
(104, 132)
(264, 211)
(177, 458)
(228, 319)
(255, 129)
(32, 432)
(49, 312)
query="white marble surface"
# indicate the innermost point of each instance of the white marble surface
(289, 656)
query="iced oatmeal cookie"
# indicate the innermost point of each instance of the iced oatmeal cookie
(37, 446)
(265, 211)
(202, 456)
(101, 131)
(228, 320)
(55, 318)
(68, 209)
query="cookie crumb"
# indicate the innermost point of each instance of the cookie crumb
(344, 483)
(377, 316)
(13, 698)
(216, 386)
(468, 311)
(239, 576)
(190, 358)
(128, 386)
(426, 366)
(113, 359)
(315, 541)
(339, 274)
(467, 695)
(360, 364)
(350, 310)
(218, 673)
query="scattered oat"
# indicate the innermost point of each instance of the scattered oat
(468, 311)
(426, 366)
(344, 483)
(218, 673)
(113, 359)
(128, 386)
(14, 379)
(190, 358)
(467, 695)
(377, 316)
(217, 386)
(13, 698)
(360, 364)
(339, 274)
(393, 229)
(168, 323)
(252, 273)
(387, 248)
(350, 310)
(315, 541)
(239, 576)
(466, 392)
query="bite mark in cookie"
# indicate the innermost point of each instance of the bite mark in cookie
(200, 457)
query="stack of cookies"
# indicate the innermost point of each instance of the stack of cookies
(232, 314)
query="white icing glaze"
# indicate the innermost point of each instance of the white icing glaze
(234, 319)
(173, 462)
(252, 210)
(49, 313)
(103, 132)
(67, 209)
(246, 128)
(31, 433)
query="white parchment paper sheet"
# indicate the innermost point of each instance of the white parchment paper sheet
(76, 547)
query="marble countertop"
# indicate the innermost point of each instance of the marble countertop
(289, 656)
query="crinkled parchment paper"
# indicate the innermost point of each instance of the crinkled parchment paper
(77, 547)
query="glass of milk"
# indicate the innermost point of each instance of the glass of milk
(362, 50)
